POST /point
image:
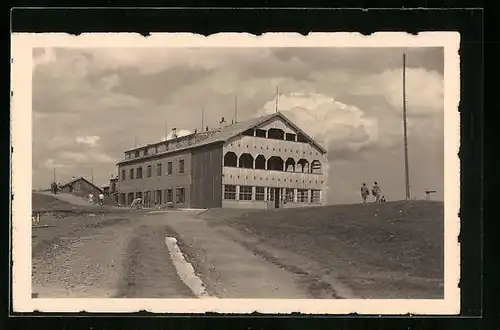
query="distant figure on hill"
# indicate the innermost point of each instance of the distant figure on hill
(364, 192)
(376, 192)
(53, 187)
(101, 199)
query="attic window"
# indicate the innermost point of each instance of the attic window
(260, 133)
(301, 138)
(290, 137)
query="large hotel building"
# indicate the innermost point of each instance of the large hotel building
(264, 162)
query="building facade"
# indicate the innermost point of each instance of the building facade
(265, 162)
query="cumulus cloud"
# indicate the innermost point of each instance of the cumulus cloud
(424, 89)
(334, 124)
(89, 140)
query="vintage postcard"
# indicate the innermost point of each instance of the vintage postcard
(281, 173)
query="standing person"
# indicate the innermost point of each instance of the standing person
(376, 191)
(91, 198)
(364, 192)
(101, 199)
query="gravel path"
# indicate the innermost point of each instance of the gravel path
(228, 269)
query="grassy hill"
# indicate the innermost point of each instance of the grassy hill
(378, 242)
(47, 203)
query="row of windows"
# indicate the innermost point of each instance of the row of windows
(285, 194)
(276, 134)
(151, 198)
(137, 172)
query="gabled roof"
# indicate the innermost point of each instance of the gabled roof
(228, 132)
(81, 179)
(233, 130)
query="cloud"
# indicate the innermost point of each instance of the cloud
(180, 132)
(336, 125)
(43, 56)
(85, 158)
(51, 163)
(74, 156)
(90, 141)
(424, 95)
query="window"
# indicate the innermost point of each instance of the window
(170, 196)
(302, 195)
(245, 193)
(169, 168)
(149, 170)
(290, 137)
(123, 175)
(229, 192)
(181, 166)
(158, 197)
(270, 194)
(136, 154)
(145, 151)
(289, 195)
(139, 173)
(260, 133)
(180, 194)
(158, 169)
(315, 196)
(131, 173)
(259, 193)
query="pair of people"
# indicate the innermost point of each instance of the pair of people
(376, 192)
(101, 199)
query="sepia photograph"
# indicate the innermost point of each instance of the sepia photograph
(237, 172)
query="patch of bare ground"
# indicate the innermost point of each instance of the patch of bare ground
(391, 250)
(85, 261)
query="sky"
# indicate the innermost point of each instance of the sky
(92, 104)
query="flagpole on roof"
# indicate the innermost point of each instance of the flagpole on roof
(277, 97)
(236, 108)
(202, 119)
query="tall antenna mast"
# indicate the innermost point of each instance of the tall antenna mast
(135, 141)
(166, 128)
(54, 174)
(407, 175)
(92, 175)
(236, 108)
(277, 97)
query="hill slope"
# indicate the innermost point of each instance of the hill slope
(391, 245)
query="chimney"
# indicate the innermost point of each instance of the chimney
(174, 133)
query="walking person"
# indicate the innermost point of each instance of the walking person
(364, 192)
(101, 199)
(376, 191)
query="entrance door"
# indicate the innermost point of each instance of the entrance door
(277, 198)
